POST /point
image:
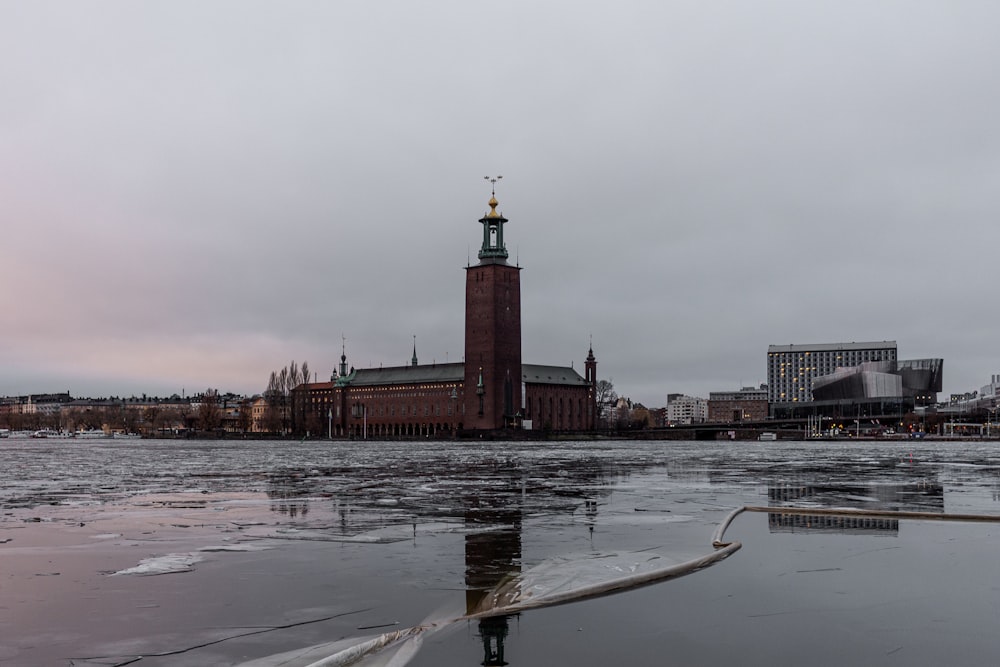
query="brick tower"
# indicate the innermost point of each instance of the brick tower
(492, 332)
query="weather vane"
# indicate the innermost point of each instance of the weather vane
(493, 181)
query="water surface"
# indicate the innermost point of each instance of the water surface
(219, 552)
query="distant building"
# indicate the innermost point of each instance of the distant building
(258, 407)
(749, 404)
(44, 404)
(918, 380)
(848, 380)
(791, 369)
(991, 390)
(682, 409)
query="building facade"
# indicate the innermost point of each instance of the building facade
(685, 410)
(490, 391)
(749, 404)
(918, 380)
(848, 380)
(791, 369)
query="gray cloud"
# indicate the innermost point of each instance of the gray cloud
(234, 185)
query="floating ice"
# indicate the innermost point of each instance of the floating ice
(235, 547)
(167, 564)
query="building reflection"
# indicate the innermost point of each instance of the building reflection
(493, 498)
(492, 555)
(289, 494)
(779, 522)
(917, 496)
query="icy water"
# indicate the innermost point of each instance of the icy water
(222, 553)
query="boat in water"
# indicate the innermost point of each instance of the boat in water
(91, 434)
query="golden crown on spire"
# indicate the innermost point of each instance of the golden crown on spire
(493, 199)
(493, 208)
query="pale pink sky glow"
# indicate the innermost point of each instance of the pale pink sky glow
(195, 194)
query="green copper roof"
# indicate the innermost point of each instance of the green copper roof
(452, 372)
(371, 377)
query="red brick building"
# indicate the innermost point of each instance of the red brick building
(492, 390)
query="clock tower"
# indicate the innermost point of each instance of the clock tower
(492, 331)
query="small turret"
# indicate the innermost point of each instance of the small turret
(493, 247)
(590, 367)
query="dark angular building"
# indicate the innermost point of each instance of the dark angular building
(491, 391)
(918, 380)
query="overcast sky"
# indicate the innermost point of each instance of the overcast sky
(194, 194)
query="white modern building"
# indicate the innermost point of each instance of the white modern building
(683, 409)
(991, 390)
(791, 369)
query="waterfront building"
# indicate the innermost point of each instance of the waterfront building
(791, 369)
(490, 390)
(32, 404)
(258, 408)
(917, 380)
(991, 390)
(844, 380)
(749, 404)
(684, 410)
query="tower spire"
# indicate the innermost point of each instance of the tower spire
(413, 361)
(343, 355)
(493, 248)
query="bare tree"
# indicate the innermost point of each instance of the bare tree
(273, 396)
(209, 412)
(151, 417)
(278, 413)
(605, 398)
(246, 415)
(132, 420)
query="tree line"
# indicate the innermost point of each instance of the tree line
(278, 417)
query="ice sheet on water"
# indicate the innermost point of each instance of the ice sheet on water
(392, 649)
(235, 547)
(183, 562)
(554, 581)
(566, 574)
(167, 564)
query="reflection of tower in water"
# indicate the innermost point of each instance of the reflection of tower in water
(289, 493)
(491, 556)
(493, 631)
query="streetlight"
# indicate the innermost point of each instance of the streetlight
(453, 397)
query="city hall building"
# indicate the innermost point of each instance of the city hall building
(491, 391)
